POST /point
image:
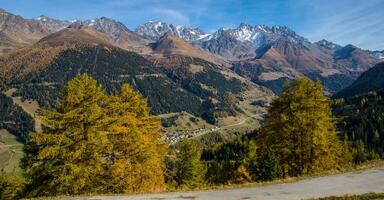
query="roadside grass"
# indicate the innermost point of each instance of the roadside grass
(368, 196)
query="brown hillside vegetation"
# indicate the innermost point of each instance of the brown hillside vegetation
(27, 60)
(70, 35)
(33, 59)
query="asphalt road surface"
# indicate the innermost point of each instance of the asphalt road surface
(371, 180)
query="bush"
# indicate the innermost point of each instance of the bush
(11, 187)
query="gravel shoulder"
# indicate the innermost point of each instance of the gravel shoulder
(370, 180)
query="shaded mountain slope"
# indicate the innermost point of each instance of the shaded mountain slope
(371, 80)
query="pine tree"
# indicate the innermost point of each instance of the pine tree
(190, 171)
(68, 157)
(138, 152)
(300, 130)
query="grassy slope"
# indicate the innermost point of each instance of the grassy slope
(11, 151)
(184, 121)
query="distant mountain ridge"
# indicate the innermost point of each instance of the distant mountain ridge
(377, 54)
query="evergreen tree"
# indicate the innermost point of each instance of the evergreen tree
(361, 120)
(268, 167)
(68, 157)
(138, 152)
(360, 154)
(190, 171)
(300, 130)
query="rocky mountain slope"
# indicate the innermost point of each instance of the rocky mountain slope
(170, 44)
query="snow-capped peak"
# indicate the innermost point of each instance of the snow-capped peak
(153, 30)
(42, 18)
(327, 44)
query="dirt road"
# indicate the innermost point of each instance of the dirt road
(371, 180)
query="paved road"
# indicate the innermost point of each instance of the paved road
(371, 180)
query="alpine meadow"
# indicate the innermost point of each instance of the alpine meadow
(210, 100)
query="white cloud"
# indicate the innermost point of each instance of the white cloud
(171, 15)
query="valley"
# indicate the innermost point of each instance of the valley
(90, 106)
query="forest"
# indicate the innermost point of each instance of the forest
(360, 119)
(178, 90)
(95, 142)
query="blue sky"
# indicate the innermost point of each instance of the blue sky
(358, 22)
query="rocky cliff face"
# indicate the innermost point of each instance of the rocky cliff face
(16, 32)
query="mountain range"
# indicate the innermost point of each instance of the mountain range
(266, 55)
